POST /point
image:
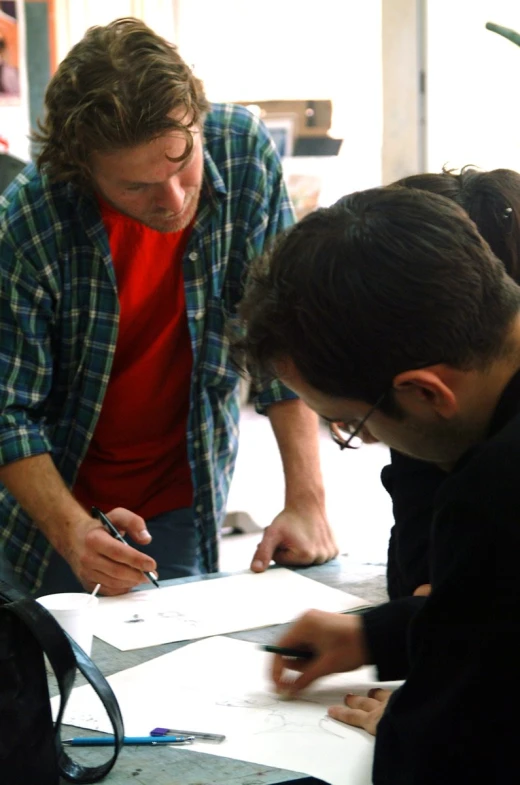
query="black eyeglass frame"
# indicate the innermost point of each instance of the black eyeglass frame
(346, 444)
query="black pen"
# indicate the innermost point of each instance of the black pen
(302, 654)
(96, 513)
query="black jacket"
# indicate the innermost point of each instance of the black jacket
(456, 720)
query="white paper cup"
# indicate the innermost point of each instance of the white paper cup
(75, 612)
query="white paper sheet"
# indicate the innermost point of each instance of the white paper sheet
(204, 608)
(221, 685)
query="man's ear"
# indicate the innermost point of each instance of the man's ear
(428, 387)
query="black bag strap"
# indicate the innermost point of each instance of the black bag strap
(65, 655)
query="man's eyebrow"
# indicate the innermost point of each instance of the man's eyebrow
(135, 182)
(183, 164)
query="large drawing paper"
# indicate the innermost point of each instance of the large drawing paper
(222, 685)
(212, 607)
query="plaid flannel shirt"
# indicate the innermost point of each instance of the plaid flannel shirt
(59, 320)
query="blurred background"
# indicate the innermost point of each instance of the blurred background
(356, 93)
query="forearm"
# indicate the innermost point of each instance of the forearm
(295, 427)
(38, 487)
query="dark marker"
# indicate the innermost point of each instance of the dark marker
(302, 654)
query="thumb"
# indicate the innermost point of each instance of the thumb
(265, 550)
(132, 524)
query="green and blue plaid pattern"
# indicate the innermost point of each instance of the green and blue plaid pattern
(59, 320)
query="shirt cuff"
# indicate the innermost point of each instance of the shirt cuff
(21, 443)
(386, 633)
(275, 393)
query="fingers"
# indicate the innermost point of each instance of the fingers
(111, 575)
(362, 702)
(295, 556)
(133, 524)
(265, 550)
(296, 538)
(315, 669)
(354, 717)
(272, 548)
(379, 694)
(303, 547)
(291, 675)
(304, 634)
(360, 711)
(98, 541)
(115, 565)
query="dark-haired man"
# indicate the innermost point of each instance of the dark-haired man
(391, 317)
(122, 255)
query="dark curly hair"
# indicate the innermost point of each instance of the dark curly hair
(384, 281)
(492, 201)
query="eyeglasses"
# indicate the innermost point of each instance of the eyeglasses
(346, 435)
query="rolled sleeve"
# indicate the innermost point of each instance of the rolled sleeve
(275, 392)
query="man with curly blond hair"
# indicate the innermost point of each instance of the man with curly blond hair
(123, 257)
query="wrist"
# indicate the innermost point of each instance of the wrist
(304, 496)
(73, 524)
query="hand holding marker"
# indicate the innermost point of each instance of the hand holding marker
(109, 526)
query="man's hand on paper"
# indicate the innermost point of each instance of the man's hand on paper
(336, 641)
(362, 711)
(96, 557)
(298, 535)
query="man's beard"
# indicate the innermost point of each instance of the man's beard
(170, 222)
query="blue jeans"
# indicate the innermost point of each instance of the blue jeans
(174, 547)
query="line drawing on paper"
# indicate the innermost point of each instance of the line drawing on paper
(161, 616)
(247, 702)
(280, 716)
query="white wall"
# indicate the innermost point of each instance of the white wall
(296, 49)
(291, 49)
(473, 77)
(73, 17)
(14, 120)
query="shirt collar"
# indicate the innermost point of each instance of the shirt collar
(507, 407)
(213, 180)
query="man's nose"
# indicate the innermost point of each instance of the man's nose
(171, 196)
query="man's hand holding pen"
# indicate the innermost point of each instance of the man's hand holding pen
(96, 556)
(332, 642)
(320, 643)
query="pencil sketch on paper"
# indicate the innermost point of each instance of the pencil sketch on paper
(135, 618)
(279, 715)
(247, 701)
(160, 616)
(201, 609)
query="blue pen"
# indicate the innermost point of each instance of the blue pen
(105, 741)
(107, 523)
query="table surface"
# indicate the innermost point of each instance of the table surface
(147, 766)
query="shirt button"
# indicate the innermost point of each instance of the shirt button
(199, 508)
(196, 444)
(199, 315)
(193, 256)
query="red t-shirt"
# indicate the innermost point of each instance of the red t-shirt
(138, 456)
